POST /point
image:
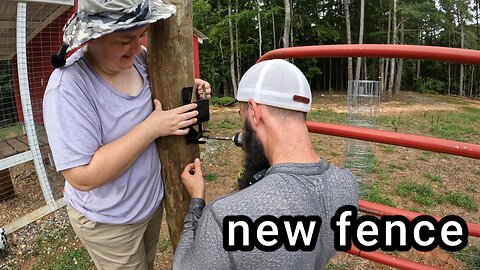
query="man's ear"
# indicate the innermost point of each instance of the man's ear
(255, 112)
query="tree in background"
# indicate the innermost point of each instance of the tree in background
(252, 27)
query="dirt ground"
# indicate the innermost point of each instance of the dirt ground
(222, 161)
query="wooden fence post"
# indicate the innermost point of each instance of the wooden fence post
(170, 68)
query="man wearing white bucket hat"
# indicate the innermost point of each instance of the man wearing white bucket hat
(101, 127)
(293, 181)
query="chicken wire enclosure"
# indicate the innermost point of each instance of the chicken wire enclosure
(363, 105)
(30, 33)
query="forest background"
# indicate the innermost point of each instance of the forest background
(239, 32)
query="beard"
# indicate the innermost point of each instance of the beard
(255, 159)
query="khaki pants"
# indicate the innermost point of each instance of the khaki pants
(112, 247)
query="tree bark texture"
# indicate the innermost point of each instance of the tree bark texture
(349, 38)
(360, 39)
(232, 50)
(170, 68)
(286, 27)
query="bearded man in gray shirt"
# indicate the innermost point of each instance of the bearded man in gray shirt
(274, 98)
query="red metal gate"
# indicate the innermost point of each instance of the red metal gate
(444, 54)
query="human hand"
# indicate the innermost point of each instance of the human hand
(200, 84)
(171, 122)
(192, 179)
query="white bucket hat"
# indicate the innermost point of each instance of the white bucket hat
(96, 18)
(276, 83)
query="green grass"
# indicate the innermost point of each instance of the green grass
(374, 193)
(461, 125)
(425, 156)
(389, 149)
(327, 116)
(55, 251)
(419, 193)
(11, 131)
(221, 101)
(69, 259)
(432, 177)
(209, 177)
(462, 200)
(470, 256)
(226, 123)
(393, 167)
(165, 244)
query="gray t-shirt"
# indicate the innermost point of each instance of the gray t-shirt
(81, 113)
(289, 189)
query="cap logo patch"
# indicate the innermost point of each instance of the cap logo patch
(301, 99)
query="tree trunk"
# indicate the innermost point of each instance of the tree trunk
(387, 61)
(418, 62)
(398, 79)
(330, 75)
(259, 30)
(449, 79)
(471, 82)
(170, 63)
(392, 64)
(237, 42)
(461, 91)
(232, 49)
(360, 38)
(286, 27)
(349, 38)
(274, 32)
(365, 67)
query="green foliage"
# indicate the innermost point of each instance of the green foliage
(457, 125)
(388, 149)
(53, 250)
(70, 259)
(462, 200)
(430, 86)
(165, 244)
(419, 193)
(470, 256)
(426, 22)
(374, 193)
(425, 156)
(209, 177)
(220, 100)
(432, 177)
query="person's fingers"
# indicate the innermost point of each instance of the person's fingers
(158, 104)
(186, 123)
(198, 166)
(185, 108)
(181, 132)
(187, 115)
(188, 168)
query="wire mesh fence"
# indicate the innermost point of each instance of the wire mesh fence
(363, 107)
(29, 34)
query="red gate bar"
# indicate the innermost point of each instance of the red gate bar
(390, 260)
(383, 210)
(395, 138)
(433, 53)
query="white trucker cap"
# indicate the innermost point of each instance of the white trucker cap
(276, 83)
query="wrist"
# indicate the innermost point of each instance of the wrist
(146, 128)
(198, 195)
